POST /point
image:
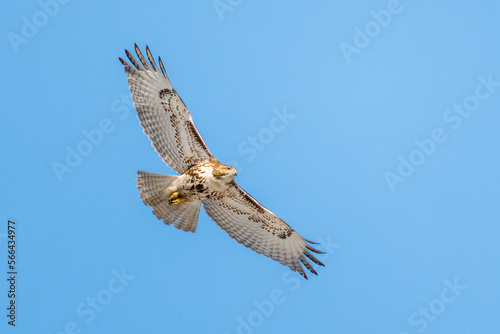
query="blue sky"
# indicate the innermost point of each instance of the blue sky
(387, 155)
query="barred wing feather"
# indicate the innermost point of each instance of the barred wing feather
(259, 229)
(162, 113)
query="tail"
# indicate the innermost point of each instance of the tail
(184, 216)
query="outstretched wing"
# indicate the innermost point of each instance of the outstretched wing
(257, 228)
(163, 115)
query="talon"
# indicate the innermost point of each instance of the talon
(177, 201)
(174, 196)
(174, 199)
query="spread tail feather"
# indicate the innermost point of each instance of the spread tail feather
(184, 216)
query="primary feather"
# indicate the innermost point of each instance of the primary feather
(163, 115)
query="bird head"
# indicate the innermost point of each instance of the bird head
(224, 172)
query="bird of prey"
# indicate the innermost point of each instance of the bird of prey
(176, 200)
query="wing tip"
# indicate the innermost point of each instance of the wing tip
(312, 249)
(142, 64)
(162, 68)
(310, 241)
(306, 254)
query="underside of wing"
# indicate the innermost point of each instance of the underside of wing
(259, 229)
(162, 113)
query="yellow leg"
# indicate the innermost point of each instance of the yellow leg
(174, 199)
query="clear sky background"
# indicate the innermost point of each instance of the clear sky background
(388, 156)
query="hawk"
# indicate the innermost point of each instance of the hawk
(176, 200)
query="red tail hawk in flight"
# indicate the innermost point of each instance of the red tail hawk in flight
(177, 199)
